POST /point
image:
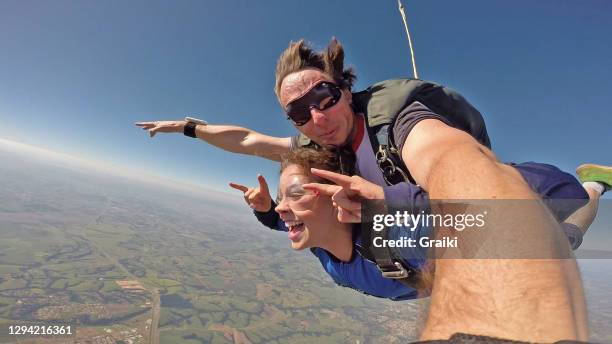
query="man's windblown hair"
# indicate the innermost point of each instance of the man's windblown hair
(299, 56)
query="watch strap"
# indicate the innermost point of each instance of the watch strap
(190, 129)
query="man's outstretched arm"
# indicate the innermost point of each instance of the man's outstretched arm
(227, 137)
(534, 300)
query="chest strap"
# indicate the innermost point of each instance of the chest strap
(385, 260)
(394, 171)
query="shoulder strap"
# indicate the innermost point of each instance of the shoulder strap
(383, 102)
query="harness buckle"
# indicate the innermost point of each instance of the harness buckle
(395, 271)
(391, 173)
(381, 154)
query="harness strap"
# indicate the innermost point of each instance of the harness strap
(394, 172)
(385, 260)
(388, 157)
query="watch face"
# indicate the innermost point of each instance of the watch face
(195, 120)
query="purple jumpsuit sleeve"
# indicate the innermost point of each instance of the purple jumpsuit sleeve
(271, 219)
(405, 196)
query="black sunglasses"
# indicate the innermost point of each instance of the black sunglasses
(321, 97)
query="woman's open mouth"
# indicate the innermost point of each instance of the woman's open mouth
(295, 229)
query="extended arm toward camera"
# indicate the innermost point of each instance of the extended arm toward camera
(538, 300)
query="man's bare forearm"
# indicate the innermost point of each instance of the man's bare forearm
(243, 141)
(227, 137)
(534, 300)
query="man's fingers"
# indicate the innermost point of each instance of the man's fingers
(147, 126)
(153, 131)
(340, 179)
(239, 187)
(263, 185)
(325, 189)
(342, 201)
(346, 216)
(348, 211)
(150, 126)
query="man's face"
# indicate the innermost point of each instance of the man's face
(329, 127)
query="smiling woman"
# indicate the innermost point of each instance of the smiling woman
(311, 221)
(310, 217)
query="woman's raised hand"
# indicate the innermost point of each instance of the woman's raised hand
(257, 198)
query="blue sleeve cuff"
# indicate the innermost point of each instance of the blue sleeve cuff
(405, 196)
(280, 226)
(270, 219)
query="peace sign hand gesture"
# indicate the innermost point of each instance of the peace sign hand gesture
(347, 194)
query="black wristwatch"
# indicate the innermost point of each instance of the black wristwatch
(190, 127)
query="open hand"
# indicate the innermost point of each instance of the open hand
(162, 127)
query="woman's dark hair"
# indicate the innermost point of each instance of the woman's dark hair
(339, 160)
(308, 158)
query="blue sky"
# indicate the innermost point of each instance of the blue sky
(75, 75)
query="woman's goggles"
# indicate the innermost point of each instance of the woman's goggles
(321, 97)
(297, 197)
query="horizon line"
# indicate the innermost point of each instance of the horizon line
(112, 168)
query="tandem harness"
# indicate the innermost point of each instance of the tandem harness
(394, 171)
(381, 105)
